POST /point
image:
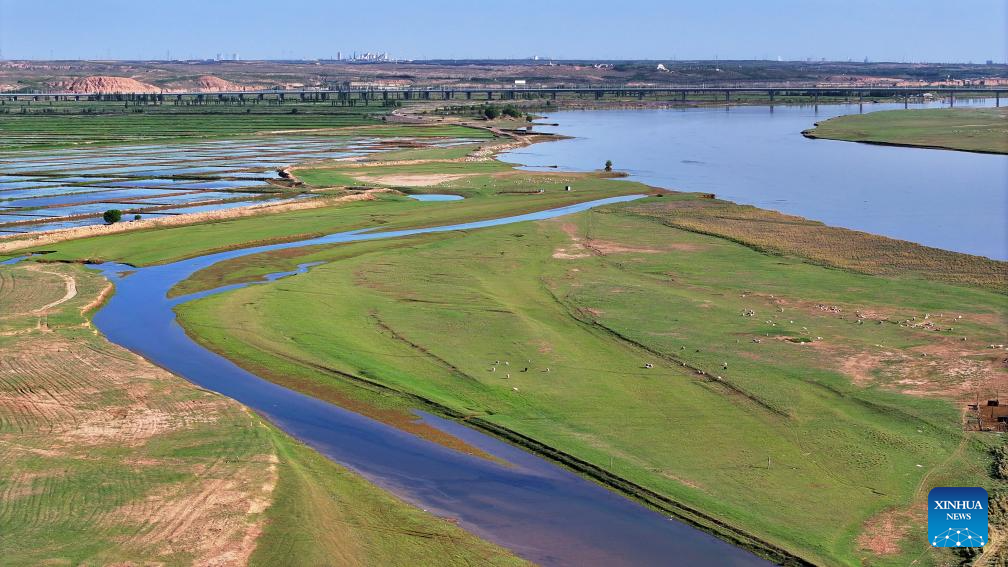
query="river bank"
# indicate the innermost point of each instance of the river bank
(376, 350)
(594, 330)
(963, 129)
(757, 156)
(183, 475)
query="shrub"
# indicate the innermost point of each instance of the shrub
(511, 111)
(112, 216)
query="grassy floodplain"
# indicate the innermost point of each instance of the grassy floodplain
(782, 424)
(967, 129)
(807, 380)
(108, 459)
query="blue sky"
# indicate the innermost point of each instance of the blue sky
(894, 30)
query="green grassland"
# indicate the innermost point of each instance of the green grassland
(396, 312)
(324, 514)
(488, 197)
(107, 459)
(760, 446)
(807, 425)
(969, 129)
(453, 152)
(777, 233)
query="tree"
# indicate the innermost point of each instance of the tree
(136, 217)
(511, 111)
(112, 216)
(608, 165)
(491, 111)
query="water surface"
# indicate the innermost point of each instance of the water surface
(757, 155)
(435, 197)
(541, 511)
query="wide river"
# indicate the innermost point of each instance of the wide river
(756, 155)
(539, 510)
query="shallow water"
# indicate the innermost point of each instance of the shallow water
(88, 195)
(757, 155)
(539, 510)
(433, 197)
(216, 165)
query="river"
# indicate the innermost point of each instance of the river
(756, 155)
(539, 510)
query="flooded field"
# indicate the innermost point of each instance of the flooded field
(48, 190)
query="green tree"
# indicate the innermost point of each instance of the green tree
(511, 111)
(490, 112)
(608, 165)
(112, 216)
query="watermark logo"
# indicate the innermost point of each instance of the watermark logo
(957, 517)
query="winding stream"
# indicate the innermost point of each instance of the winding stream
(539, 510)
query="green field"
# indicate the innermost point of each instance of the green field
(968, 129)
(807, 382)
(399, 312)
(489, 197)
(81, 125)
(108, 459)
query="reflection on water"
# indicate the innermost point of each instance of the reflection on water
(541, 511)
(435, 197)
(757, 155)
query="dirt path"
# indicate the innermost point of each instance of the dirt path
(71, 291)
(956, 454)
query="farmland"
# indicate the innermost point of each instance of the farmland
(63, 125)
(510, 193)
(737, 361)
(967, 129)
(107, 458)
(843, 385)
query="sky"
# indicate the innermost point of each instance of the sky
(881, 30)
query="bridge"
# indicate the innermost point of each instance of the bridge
(672, 93)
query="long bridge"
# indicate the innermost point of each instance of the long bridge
(352, 95)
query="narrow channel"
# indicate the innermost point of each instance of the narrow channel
(539, 510)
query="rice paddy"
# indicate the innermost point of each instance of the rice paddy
(53, 188)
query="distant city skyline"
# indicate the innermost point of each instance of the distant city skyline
(965, 31)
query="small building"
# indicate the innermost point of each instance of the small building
(992, 416)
